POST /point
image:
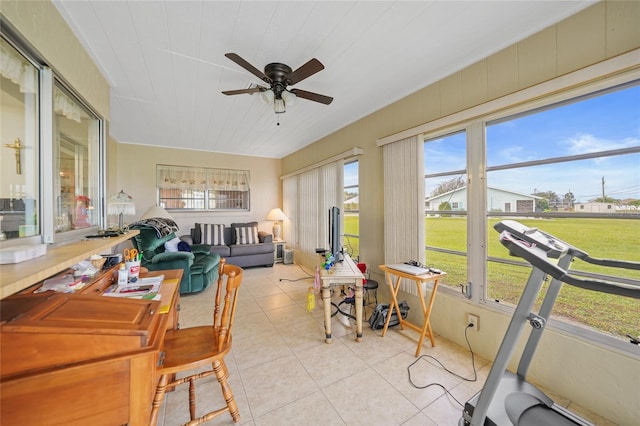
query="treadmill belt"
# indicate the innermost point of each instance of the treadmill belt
(525, 409)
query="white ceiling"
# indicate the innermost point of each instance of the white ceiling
(166, 66)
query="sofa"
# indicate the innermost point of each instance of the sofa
(199, 264)
(241, 244)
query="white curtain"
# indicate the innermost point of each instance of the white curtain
(228, 180)
(14, 67)
(65, 106)
(174, 177)
(177, 177)
(308, 196)
(307, 227)
(404, 203)
(290, 208)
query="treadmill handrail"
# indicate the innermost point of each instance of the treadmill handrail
(538, 258)
(555, 246)
(613, 263)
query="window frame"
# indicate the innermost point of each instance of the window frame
(32, 238)
(203, 188)
(347, 236)
(433, 212)
(95, 180)
(474, 122)
(48, 78)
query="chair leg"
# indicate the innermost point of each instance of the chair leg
(192, 398)
(222, 374)
(157, 399)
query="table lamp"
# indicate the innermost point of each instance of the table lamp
(277, 216)
(121, 204)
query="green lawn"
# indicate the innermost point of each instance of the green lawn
(352, 226)
(603, 238)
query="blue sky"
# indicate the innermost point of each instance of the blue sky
(605, 122)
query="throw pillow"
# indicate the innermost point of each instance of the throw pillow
(184, 246)
(247, 235)
(172, 245)
(211, 234)
(239, 225)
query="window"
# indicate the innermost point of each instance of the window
(351, 214)
(445, 194)
(196, 188)
(572, 170)
(50, 188)
(19, 191)
(76, 163)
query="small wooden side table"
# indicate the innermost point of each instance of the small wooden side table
(420, 280)
(345, 272)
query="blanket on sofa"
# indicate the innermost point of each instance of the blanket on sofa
(163, 226)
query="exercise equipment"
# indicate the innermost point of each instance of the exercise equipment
(507, 398)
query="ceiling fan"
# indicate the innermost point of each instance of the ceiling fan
(279, 77)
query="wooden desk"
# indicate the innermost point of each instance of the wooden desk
(420, 280)
(345, 272)
(79, 359)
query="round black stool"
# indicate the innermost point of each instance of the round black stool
(371, 286)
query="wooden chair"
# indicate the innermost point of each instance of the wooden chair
(193, 347)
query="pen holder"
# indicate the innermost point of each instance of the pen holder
(133, 269)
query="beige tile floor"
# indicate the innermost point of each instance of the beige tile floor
(282, 372)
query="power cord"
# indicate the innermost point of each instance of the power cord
(309, 276)
(473, 364)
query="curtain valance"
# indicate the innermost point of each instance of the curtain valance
(18, 70)
(67, 107)
(180, 177)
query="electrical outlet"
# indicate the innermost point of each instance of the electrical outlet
(475, 320)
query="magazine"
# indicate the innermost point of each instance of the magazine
(143, 288)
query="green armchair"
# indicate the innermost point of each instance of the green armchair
(200, 265)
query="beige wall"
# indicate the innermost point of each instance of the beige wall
(600, 379)
(135, 167)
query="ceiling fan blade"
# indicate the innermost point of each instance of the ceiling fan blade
(312, 96)
(247, 66)
(241, 91)
(307, 70)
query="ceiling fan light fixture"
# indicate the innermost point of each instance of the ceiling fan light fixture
(279, 106)
(289, 98)
(267, 96)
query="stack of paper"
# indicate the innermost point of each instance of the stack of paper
(144, 288)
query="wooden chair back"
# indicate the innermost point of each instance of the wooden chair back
(229, 279)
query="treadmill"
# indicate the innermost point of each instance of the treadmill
(507, 398)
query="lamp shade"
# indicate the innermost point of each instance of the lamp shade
(156, 211)
(267, 96)
(121, 203)
(279, 106)
(289, 98)
(276, 214)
